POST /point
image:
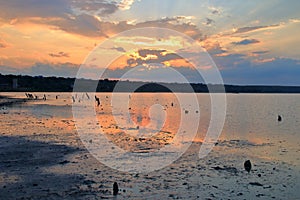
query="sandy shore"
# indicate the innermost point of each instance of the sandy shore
(44, 158)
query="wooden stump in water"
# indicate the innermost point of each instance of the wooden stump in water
(247, 165)
(115, 189)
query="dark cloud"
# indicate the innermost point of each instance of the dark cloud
(145, 52)
(215, 12)
(246, 42)
(59, 54)
(277, 72)
(33, 8)
(253, 28)
(209, 22)
(156, 74)
(10, 70)
(99, 7)
(234, 68)
(83, 24)
(230, 61)
(174, 23)
(90, 26)
(260, 52)
(55, 8)
(237, 69)
(51, 69)
(77, 17)
(120, 49)
(44, 69)
(60, 14)
(214, 48)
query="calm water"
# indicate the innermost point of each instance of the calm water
(251, 129)
(249, 117)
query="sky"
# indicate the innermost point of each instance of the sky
(250, 42)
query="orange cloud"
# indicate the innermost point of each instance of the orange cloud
(267, 60)
(178, 63)
(59, 54)
(4, 44)
(120, 63)
(149, 56)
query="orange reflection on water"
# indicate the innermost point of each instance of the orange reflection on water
(147, 128)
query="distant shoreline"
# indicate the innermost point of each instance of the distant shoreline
(19, 83)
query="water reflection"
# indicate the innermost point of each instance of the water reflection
(154, 120)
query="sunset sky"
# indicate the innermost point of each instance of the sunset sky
(251, 42)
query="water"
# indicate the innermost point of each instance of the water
(251, 131)
(249, 117)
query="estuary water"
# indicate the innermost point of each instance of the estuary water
(251, 131)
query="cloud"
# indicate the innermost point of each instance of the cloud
(254, 28)
(125, 4)
(148, 56)
(44, 69)
(235, 69)
(183, 17)
(51, 69)
(229, 61)
(214, 10)
(83, 24)
(246, 42)
(119, 49)
(3, 44)
(145, 52)
(213, 48)
(174, 23)
(294, 20)
(90, 26)
(10, 70)
(84, 17)
(72, 16)
(209, 22)
(154, 73)
(260, 52)
(99, 7)
(279, 71)
(266, 60)
(59, 54)
(13, 9)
